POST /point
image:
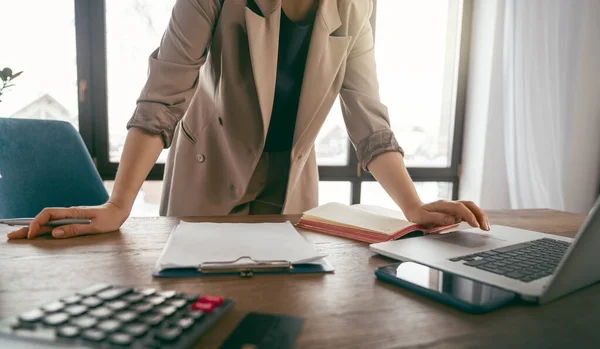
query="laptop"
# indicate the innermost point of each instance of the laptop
(538, 267)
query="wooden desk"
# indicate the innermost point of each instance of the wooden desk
(348, 309)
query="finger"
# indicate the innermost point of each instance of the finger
(72, 230)
(18, 234)
(437, 218)
(41, 231)
(49, 214)
(457, 209)
(479, 214)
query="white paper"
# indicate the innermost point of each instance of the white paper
(381, 211)
(192, 244)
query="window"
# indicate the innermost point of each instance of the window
(47, 88)
(332, 146)
(147, 202)
(133, 30)
(99, 60)
(421, 53)
(374, 194)
(335, 192)
(416, 61)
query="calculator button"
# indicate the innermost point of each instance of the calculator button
(109, 325)
(167, 294)
(91, 302)
(134, 297)
(56, 319)
(143, 307)
(32, 315)
(92, 290)
(121, 339)
(71, 299)
(177, 303)
(93, 335)
(155, 300)
(166, 310)
(169, 334)
(53, 307)
(126, 316)
(185, 322)
(68, 331)
(76, 310)
(84, 321)
(113, 293)
(196, 314)
(205, 307)
(117, 305)
(210, 299)
(102, 312)
(136, 329)
(153, 319)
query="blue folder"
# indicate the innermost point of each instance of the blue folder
(202, 249)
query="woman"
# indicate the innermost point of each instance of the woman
(242, 128)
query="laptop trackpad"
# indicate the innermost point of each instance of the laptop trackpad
(469, 240)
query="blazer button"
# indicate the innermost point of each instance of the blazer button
(200, 158)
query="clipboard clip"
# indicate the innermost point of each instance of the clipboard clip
(245, 269)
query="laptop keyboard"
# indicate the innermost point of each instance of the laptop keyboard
(106, 316)
(527, 261)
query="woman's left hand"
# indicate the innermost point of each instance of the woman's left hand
(444, 212)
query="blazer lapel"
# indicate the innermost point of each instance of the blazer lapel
(263, 40)
(325, 56)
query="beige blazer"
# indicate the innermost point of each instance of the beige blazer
(210, 92)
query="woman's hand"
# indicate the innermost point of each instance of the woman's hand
(389, 170)
(448, 212)
(105, 218)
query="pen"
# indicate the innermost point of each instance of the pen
(54, 223)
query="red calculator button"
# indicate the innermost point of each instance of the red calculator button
(205, 307)
(211, 299)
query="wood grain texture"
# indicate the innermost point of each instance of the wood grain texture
(347, 309)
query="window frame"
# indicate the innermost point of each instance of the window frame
(93, 107)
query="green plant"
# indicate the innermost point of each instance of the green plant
(7, 77)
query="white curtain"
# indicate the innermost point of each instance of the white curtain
(532, 129)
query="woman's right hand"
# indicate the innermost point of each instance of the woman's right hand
(104, 218)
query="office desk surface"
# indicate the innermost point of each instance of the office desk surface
(347, 309)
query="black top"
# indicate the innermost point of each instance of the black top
(294, 40)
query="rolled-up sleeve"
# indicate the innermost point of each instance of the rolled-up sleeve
(173, 68)
(366, 118)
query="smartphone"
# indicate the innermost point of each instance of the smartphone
(457, 291)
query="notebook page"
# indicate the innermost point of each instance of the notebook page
(381, 211)
(341, 214)
(192, 244)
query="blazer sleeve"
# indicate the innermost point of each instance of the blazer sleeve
(366, 118)
(174, 66)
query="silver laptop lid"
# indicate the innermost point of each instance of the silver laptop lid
(580, 266)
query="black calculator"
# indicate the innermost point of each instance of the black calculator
(105, 316)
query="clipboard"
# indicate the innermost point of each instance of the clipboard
(244, 249)
(247, 269)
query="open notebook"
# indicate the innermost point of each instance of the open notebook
(364, 223)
